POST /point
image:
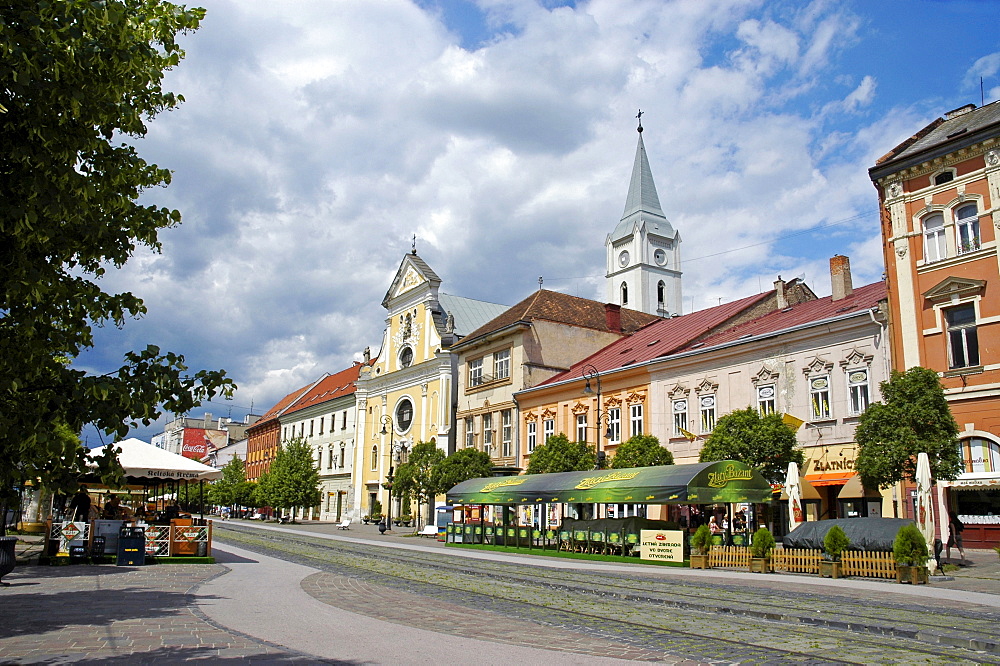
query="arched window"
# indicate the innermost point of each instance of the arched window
(934, 243)
(374, 458)
(979, 455)
(967, 223)
(944, 177)
(624, 294)
(660, 288)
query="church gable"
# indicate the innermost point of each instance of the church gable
(413, 272)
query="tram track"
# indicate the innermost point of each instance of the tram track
(774, 628)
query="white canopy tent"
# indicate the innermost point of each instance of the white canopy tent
(142, 460)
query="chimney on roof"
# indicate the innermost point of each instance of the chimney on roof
(840, 276)
(960, 111)
(613, 316)
(779, 293)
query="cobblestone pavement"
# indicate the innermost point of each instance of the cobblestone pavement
(103, 614)
(107, 614)
(704, 620)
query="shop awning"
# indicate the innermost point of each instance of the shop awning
(145, 461)
(699, 483)
(829, 478)
(807, 489)
(854, 490)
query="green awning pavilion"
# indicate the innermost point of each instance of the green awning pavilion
(726, 481)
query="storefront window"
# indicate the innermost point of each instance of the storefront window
(980, 455)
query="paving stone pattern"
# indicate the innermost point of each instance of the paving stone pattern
(90, 614)
(700, 621)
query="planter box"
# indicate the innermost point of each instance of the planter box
(700, 561)
(829, 569)
(760, 565)
(913, 575)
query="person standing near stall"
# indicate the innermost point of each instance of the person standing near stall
(79, 507)
(955, 527)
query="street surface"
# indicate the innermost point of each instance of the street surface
(308, 594)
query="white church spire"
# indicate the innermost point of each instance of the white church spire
(643, 253)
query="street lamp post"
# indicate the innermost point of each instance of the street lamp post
(591, 372)
(387, 518)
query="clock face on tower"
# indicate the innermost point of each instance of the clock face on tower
(623, 258)
(660, 257)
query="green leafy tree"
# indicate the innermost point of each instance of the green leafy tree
(80, 79)
(641, 451)
(415, 477)
(293, 479)
(558, 454)
(763, 442)
(462, 465)
(233, 489)
(913, 417)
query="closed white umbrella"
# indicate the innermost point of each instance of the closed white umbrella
(794, 492)
(925, 508)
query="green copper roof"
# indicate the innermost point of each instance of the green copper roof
(699, 483)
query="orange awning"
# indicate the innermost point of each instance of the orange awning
(829, 478)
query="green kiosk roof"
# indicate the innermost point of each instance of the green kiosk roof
(700, 483)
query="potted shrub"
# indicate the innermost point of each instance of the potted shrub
(834, 543)
(365, 518)
(910, 550)
(405, 519)
(761, 546)
(701, 543)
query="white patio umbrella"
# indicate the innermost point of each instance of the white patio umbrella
(794, 492)
(925, 507)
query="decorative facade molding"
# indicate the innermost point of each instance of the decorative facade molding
(856, 358)
(817, 366)
(954, 287)
(706, 386)
(678, 391)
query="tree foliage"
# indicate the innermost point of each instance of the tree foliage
(763, 442)
(233, 489)
(462, 465)
(293, 479)
(415, 477)
(913, 417)
(558, 454)
(80, 79)
(641, 451)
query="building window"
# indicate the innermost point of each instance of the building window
(581, 427)
(342, 456)
(680, 409)
(967, 223)
(707, 405)
(624, 294)
(404, 415)
(766, 403)
(944, 177)
(343, 422)
(660, 288)
(857, 386)
(935, 248)
(321, 424)
(374, 458)
(330, 459)
(470, 432)
(302, 430)
(979, 455)
(476, 372)
(506, 434)
(488, 433)
(963, 341)
(615, 424)
(501, 364)
(532, 436)
(406, 357)
(311, 425)
(635, 419)
(819, 397)
(548, 429)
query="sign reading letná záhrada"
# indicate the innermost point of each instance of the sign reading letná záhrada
(662, 545)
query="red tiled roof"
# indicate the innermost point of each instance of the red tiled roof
(329, 388)
(862, 299)
(564, 309)
(663, 337)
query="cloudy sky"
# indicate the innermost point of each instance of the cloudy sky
(319, 137)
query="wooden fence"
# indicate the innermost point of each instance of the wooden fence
(861, 563)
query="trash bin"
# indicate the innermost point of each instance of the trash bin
(131, 547)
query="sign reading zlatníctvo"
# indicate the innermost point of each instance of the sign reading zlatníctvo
(662, 545)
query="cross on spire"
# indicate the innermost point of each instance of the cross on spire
(639, 116)
(413, 247)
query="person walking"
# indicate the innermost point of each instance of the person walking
(955, 529)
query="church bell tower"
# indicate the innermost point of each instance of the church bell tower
(643, 251)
